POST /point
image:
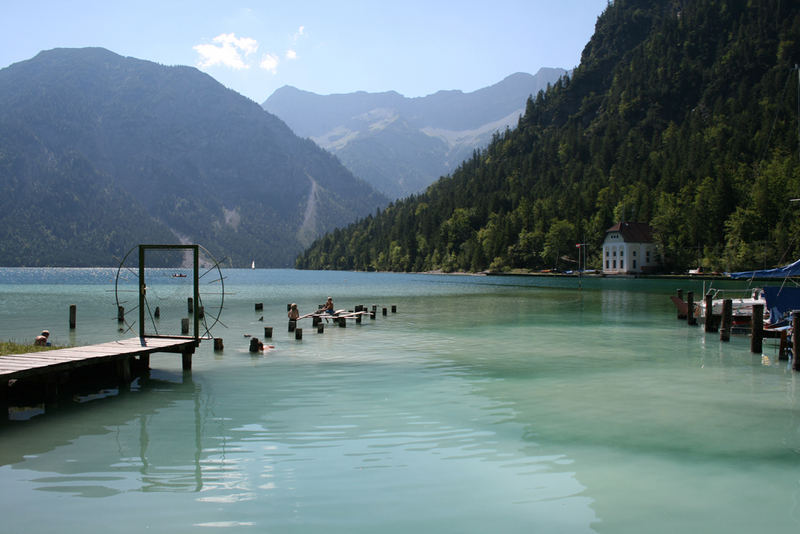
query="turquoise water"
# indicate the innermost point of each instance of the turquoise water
(484, 405)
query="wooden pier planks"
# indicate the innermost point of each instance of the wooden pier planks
(32, 363)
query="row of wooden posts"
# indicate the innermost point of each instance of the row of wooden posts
(724, 323)
(317, 322)
(218, 342)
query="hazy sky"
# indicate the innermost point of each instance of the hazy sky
(415, 47)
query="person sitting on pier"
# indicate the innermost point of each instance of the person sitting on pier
(42, 339)
(294, 313)
(328, 308)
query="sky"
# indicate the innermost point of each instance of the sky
(414, 47)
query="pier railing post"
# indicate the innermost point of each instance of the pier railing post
(680, 297)
(757, 329)
(726, 320)
(691, 320)
(795, 340)
(710, 324)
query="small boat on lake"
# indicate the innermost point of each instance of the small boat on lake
(779, 301)
(742, 302)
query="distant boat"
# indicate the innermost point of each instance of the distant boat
(253, 265)
(179, 275)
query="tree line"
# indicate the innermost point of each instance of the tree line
(681, 114)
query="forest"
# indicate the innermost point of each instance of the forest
(681, 114)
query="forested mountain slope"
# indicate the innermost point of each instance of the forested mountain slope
(99, 153)
(681, 114)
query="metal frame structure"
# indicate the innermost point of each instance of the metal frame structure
(195, 280)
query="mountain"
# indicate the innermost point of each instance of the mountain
(401, 145)
(681, 114)
(100, 152)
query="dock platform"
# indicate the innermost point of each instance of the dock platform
(54, 366)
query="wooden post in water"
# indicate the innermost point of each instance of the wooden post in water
(185, 325)
(124, 370)
(218, 344)
(711, 323)
(298, 333)
(292, 325)
(680, 297)
(342, 322)
(189, 305)
(315, 320)
(260, 306)
(726, 320)
(320, 328)
(796, 340)
(73, 311)
(783, 348)
(394, 308)
(372, 315)
(384, 311)
(120, 314)
(157, 313)
(186, 361)
(757, 329)
(691, 320)
(254, 344)
(267, 332)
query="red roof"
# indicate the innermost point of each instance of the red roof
(633, 232)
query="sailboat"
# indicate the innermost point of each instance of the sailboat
(253, 265)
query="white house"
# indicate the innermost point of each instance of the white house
(629, 248)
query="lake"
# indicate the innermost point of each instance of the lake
(485, 404)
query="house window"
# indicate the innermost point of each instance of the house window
(615, 253)
(606, 263)
(621, 264)
(634, 255)
(606, 253)
(622, 252)
(615, 264)
(634, 263)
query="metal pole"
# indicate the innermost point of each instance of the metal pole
(196, 257)
(142, 291)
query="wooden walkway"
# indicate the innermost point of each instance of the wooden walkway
(50, 362)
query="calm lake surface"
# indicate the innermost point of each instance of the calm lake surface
(485, 404)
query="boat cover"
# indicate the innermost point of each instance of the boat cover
(793, 269)
(781, 301)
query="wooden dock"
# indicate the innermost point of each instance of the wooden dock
(53, 367)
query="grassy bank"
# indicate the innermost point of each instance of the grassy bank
(10, 347)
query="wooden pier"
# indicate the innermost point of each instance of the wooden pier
(52, 368)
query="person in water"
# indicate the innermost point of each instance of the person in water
(328, 308)
(294, 313)
(42, 339)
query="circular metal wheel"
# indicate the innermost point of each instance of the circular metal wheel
(168, 286)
